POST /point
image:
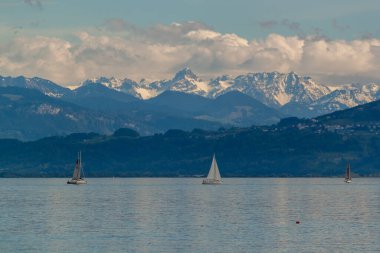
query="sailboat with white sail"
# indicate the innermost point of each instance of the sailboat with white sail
(77, 178)
(213, 176)
(348, 178)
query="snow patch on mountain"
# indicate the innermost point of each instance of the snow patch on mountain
(145, 93)
(186, 81)
(283, 98)
(47, 109)
(108, 82)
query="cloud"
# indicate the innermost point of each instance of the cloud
(40, 56)
(360, 58)
(339, 27)
(268, 24)
(317, 34)
(157, 52)
(286, 23)
(276, 52)
(117, 25)
(34, 3)
(293, 26)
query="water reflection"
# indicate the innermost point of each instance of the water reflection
(181, 215)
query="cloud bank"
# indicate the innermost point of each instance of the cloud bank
(34, 3)
(124, 50)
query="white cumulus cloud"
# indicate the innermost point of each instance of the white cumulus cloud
(159, 51)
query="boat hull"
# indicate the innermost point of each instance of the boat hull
(77, 181)
(211, 181)
(347, 181)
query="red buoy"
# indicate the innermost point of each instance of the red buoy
(298, 222)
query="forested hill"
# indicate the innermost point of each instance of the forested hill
(294, 147)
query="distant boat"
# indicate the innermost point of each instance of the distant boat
(77, 179)
(213, 176)
(348, 178)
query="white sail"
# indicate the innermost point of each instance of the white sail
(348, 178)
(77, 179)
(214, 171)
(213, 176)
(76, 174)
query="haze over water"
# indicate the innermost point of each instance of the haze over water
(181, 215)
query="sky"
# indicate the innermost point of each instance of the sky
(69, 41)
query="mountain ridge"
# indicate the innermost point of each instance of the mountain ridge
(274, 89)
(290, 93)
(28, 114)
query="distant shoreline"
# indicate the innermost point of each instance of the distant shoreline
(237, 177)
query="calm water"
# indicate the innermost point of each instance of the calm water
(181, 215)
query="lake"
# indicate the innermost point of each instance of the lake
(182, 215)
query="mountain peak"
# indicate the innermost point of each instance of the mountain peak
(111, 82)
(185, 73)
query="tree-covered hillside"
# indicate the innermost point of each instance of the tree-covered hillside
(291, 148)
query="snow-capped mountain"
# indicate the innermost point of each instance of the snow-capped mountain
(274, 89)
(97, 90)
(112, 82)
(346, 97)
(141, 90)
(292, 94)
(45, 86)
(184, 102)
(184, 81)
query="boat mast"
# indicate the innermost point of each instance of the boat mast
(80, 163)
(213, 167)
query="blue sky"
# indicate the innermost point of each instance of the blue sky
(339, 19)
(71, 40)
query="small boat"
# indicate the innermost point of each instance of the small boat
(77, 179)
(213, 176)
(348, 178)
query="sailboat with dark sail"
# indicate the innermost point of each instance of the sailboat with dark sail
(348, 178)
(213, 176)
(77, 178)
